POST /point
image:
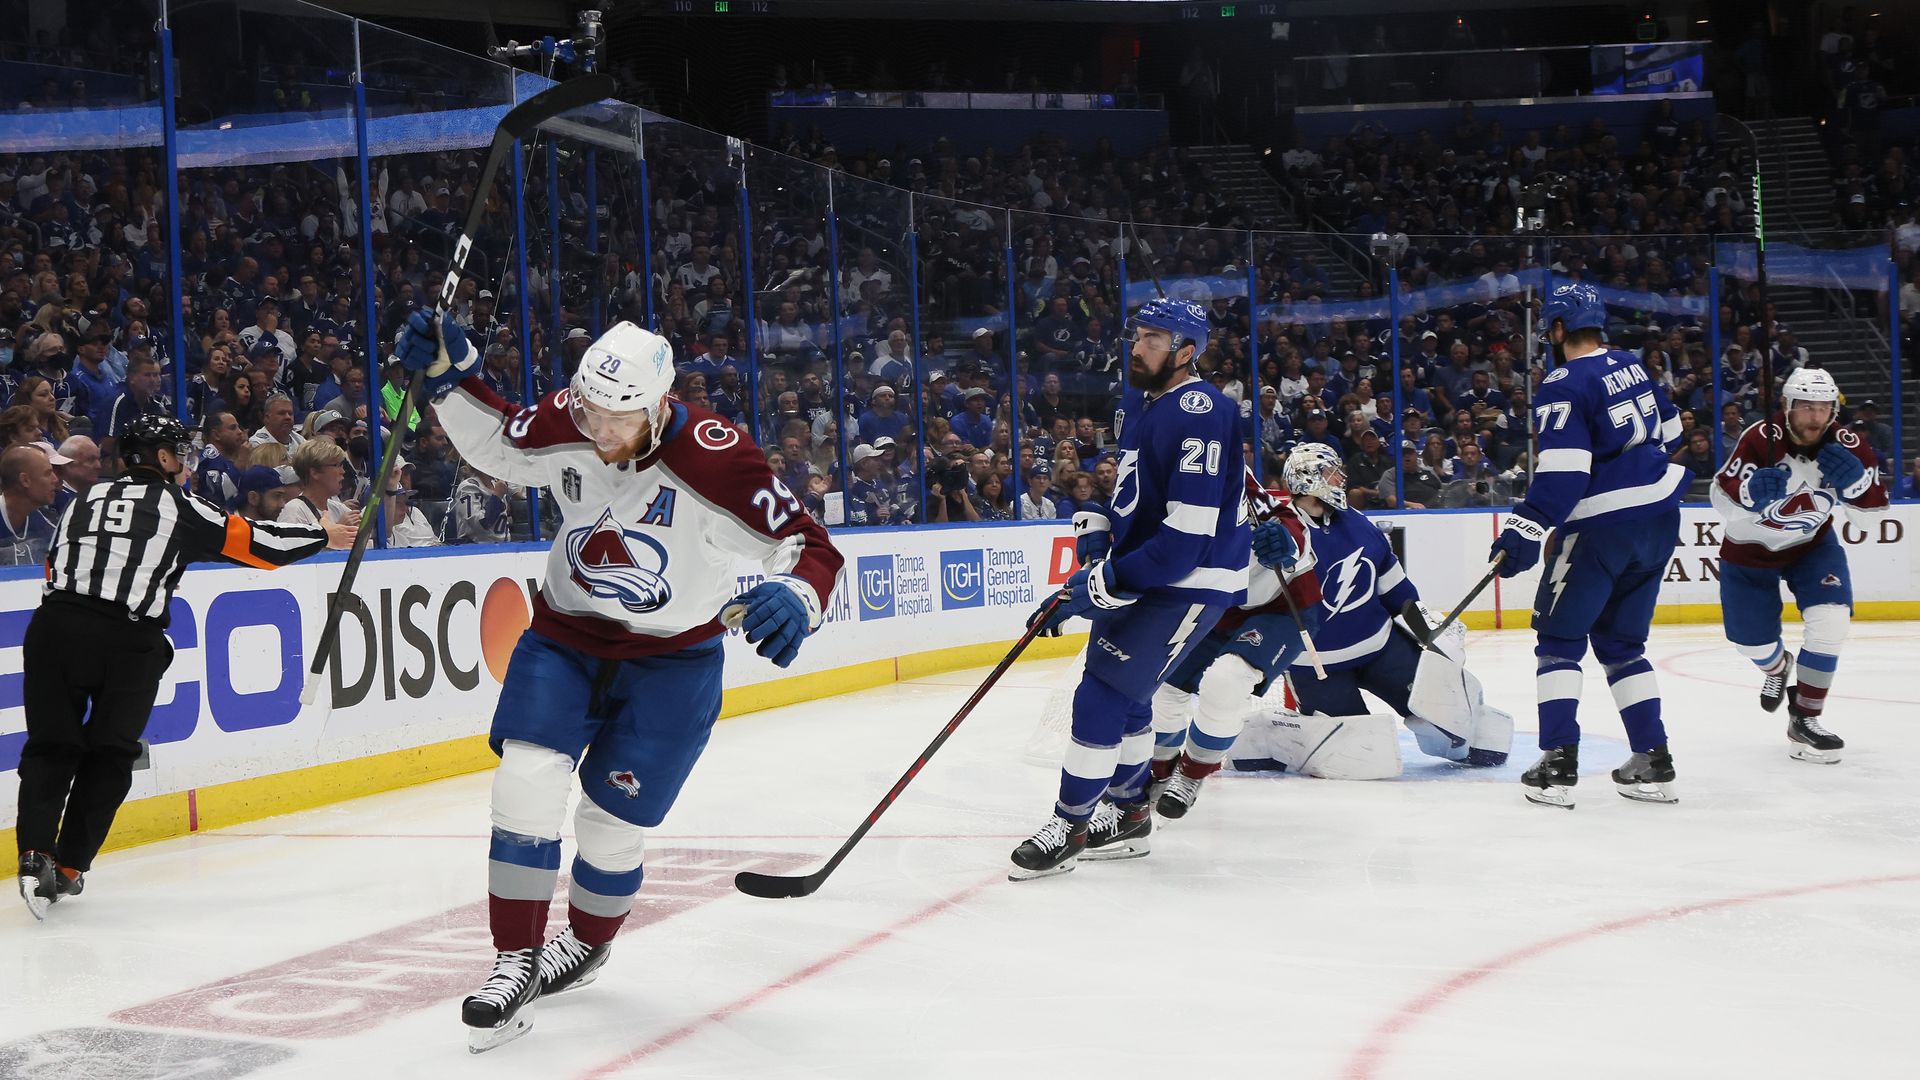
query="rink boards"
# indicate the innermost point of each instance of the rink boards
(427, 638)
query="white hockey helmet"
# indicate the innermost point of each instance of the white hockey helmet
(1314, 469)
(623, 379)
(1809, 384)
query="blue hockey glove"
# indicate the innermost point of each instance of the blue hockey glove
(419, 350)
(775, 615)
(1092, 536)
(1092, 586)
(1520, 539)
(1842, 471)
(1274, 546)
(1766, 487)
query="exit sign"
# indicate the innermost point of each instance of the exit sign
(1227, 11)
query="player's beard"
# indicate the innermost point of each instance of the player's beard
(1804, 441)
(1153, 383)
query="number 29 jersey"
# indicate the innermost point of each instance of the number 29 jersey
(1605, 429)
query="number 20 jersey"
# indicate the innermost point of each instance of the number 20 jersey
(645, 556)
(1605, 429)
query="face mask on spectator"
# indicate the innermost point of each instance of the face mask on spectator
(6, 356)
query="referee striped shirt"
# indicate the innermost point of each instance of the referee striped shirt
(127, 541)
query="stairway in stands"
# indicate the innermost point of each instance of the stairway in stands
(1243, 178)
(1843, 329)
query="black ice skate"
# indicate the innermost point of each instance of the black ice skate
(1052, 850)
(38, 882)
(567, 963)
(1773, 688)
(1178, 794)
(1550, 781)
(502, 1009)
(70, 886)
(1810, 741)
(1647, 777)
(1119, 832)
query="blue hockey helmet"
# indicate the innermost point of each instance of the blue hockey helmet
(1576, 306)
(1184, 319)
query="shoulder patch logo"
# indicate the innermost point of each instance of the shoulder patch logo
(1196, 402)
(1119, 417)
(1556, 375)
(715, 435)
(570, 482)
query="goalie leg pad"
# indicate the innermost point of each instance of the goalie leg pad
(1355, 747)
(1450, 717)
(1225, 693)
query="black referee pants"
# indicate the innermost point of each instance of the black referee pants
(91, 677)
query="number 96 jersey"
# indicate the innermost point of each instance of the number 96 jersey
(645, 556)
(1605, 429)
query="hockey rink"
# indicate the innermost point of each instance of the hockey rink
(1766, 925)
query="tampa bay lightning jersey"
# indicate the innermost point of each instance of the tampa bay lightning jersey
(1179, 523)
(1362, 587)
(1605, 432)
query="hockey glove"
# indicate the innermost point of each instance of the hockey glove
(1520, 539)
(1091, 587)
(775, 616)
(1766, 487)
(446, 359)
(1274, 546)
(1092, 536)
(1842, 471)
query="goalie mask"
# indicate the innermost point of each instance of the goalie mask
(619, 393)
(1314, 469)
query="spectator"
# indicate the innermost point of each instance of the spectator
(481, 510)
(1369, 483)
(1080, 496)
(1876, 434)
(78, 464)
(409, 527)
(1909, 485)
(276, 426)
(880, 421)
(222, 461)
(1696, 453)
(990, 501)
(27, 488)
(97, 388)
(36, 394)
(321, 467)
(141, 398)
(1034, 503)
(264, 491)
(972, 424)
(1419, 483)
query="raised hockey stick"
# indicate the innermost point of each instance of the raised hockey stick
(1418, 623)
(519, 122)
(772, 886)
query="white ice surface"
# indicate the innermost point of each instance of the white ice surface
(1766, 925)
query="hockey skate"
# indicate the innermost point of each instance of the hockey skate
(1052, 850)
(567, 963)
(1773, 688)
(1810, 741)
(1178, 795)
(502, 1009)
(1119, 832)
(70, 883)
(38, 883)
(1550, 782)
(1647, 777)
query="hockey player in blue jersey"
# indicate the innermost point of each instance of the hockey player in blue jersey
(1363, 646)
(1604, 486)
(1177, 560)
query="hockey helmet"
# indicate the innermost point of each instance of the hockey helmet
(1575, 306)
(1184, 319)
(623, 379)
(1314, 469)
(1809, 384)
(150, 432)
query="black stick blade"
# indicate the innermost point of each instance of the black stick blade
(775, 887)
(1417, 622)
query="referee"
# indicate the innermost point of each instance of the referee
(96, 647)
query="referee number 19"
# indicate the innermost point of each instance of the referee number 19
(113, 515)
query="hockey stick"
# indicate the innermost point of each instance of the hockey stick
(1765, 325)
(519, 122)
(773, 886)
(1272, 506)
(1418, 623)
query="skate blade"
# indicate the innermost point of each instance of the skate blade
(1648, 792)
(1554, 796)
(37, 905)
(481, 1040)
(1021, 873)
(1129, 849)
(1800, 752)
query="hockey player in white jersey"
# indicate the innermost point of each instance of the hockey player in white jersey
(1782, 486)
(619, 673)
(1363, 645)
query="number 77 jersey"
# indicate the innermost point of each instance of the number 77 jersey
(1605, 430)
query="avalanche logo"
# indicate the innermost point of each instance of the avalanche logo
(1348, 584)
(612, 563)
(1801, 512)
(1251, 637)
(625, 782)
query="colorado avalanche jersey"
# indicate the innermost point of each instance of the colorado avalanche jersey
(1362, 587)
(1178, 529)
(644, 560)
(1605, 429)
(1263, 582)
(1776, 536)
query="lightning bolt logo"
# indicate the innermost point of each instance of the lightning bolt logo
(1563, 561)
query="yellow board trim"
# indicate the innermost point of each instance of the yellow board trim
(1685, 614)
(163, 817)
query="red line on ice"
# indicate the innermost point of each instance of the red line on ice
(1666, 664)
(818, 967)
(1366, 1062)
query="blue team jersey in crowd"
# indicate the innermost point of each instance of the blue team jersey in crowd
(1362, 587)
(1178, 526)
(1605, 430)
